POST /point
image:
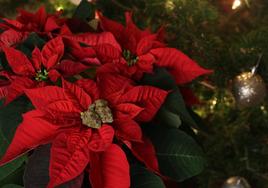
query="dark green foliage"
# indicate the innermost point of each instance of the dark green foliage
(143, 178)
(84, 11)
(179, 156)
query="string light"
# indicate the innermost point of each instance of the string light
(59, 8)
(170, 5)
(236, 4)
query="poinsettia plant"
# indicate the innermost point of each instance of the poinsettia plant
(94, 108)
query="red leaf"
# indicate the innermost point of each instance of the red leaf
(63, 109)
(96, 39)
(33, 131)
(77, 93)
(52, 52)
(110, 84)
(101, 138)
(127, 110)
(70, 68)
(53, 75)
(109, 169)
(36, 58)
(17, 87)
(145, 152)
(112, 26)
(19, 63)
(51, 24)
(67, 161)
(147, 97)
(107, 52)
(11, 37)
(41, 97)
(180, 66)
(127, 129)
(90, 87)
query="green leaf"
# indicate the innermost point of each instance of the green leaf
(179, 156)
(10, 168)
(160, 78)
(84, 11)
(33, 41)
(12, 186)
(143, 178)
(11, 116)
(174, 109)
(175, 104)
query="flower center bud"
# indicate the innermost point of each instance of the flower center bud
(41, 75)
(130, 58)
(97, 114)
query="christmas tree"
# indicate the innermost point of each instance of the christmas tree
(229, 112)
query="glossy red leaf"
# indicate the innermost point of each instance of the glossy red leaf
(52, 52)
(18, 62)
(147, 97)
(33, 131)
(77, 93)
(145, 152)
(109, 169)
(101, 138)
(17, 87)
(128, 129)
(127, 110)
(67, 163)
(90, 87)
(41, 97)
(11, 37)
(70, 68)
(180, 66)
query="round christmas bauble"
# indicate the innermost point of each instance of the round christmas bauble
(248, 89)
(236, 182)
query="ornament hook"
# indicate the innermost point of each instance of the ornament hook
(254, 69)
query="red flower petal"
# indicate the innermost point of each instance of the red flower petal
(96, 39)
(11, 37)
(33, 131)
(149, 98)
(53, 75)
(52, 52)
(109, 169)
(17, 87)
(19, 63)
(51, 24)
(78, 94)
(110, 84)
(127, 110)
(127, 129)
(112, 26)
(36, 58)
(145, 152)
(70, 68)
(101, 138)
(107, 52)
(63, 109)
(41, 97)
(67, 163)
(180, 66)
(90, 87)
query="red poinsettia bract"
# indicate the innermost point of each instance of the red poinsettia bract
(15, 31)
(82, 121)
(142, 50)
(34, 72)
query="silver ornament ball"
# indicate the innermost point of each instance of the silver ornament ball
(248, 89)
(236, 182)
